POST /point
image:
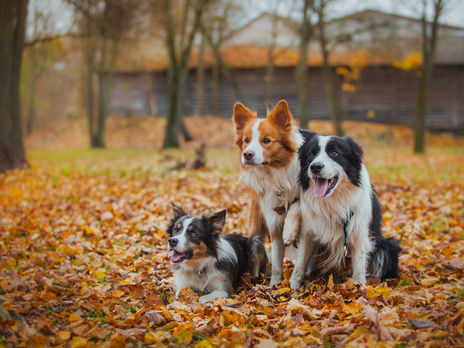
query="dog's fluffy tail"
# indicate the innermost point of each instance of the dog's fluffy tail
(384, 258)
(256, 256)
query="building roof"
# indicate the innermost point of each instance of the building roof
(379, 37)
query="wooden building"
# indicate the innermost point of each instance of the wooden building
(383, 92)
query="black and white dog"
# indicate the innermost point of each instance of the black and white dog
(340, 213)
(207, 261)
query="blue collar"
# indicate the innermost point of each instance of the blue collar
(345, 231)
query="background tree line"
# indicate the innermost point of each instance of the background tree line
(102, 29)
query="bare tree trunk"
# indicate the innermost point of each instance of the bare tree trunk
(270, 74)
(176, 85)
(429, 41)
(201, 78)
(271, 60)
(215, 90)
(419, 115)
(333, 101)
(90, 95)
(178, 67)
(327, 73)
(105, 78)
(99, 136)
(224, 69)
(31, 112)
(102, 78)
(12, 31)
(302, 67)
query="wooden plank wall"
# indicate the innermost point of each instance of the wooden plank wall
(382, 94)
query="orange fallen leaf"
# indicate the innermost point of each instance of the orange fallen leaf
(64, 335)
(330, 283)
(74, 317)
(118, 293)
(79, 342)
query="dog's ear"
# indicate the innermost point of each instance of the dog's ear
(176, 213)
(356, 150)
(355, 160)
(281, 115)
(241, 115)
(216, 221)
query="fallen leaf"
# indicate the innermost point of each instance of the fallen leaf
(418, 324)
(330, 283)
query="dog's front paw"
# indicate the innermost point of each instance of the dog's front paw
(296, 281)
(290, 234)
(206, 298)
(290, 238)
(212, 296)
(359, 280)
(275, 280)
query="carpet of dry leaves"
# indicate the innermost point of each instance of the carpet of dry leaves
(83, 260)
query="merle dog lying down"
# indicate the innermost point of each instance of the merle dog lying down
(205, 260)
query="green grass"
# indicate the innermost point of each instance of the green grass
(440, 163)
(112, 162)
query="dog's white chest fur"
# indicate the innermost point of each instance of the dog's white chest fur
(277, 189)
(202, 277)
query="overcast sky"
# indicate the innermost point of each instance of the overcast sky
(412, 8)
(453, 16)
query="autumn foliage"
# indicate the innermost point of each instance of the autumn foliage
(84, 261)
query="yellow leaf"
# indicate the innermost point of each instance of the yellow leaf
(282, 291)
(282, 298)
(10, 261)
(358, 332)
(118, 293)
(203, 344)
(74, 317)
(370, 114)
(373, 293)
(166, 313)
(348, 87)
(352, 308)
(101, 273)
(149, 338)
(183, 334)
(64, 335)
(267, 310)
(78, 342)
(330, 283)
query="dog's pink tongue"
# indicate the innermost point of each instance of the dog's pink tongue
(176, 257)
(321, 188)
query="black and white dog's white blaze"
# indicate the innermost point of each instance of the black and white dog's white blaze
(337, 196)
(205, 260)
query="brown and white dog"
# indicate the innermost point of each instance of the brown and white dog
(270, 168)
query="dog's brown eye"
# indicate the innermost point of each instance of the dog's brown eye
(194, 235)
(247, 140)
(333, 154)
(266, 140)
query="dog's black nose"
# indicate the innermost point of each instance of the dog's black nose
(173, 242)
(249, 155)
(316, 167)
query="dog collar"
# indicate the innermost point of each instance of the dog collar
(345, 231)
